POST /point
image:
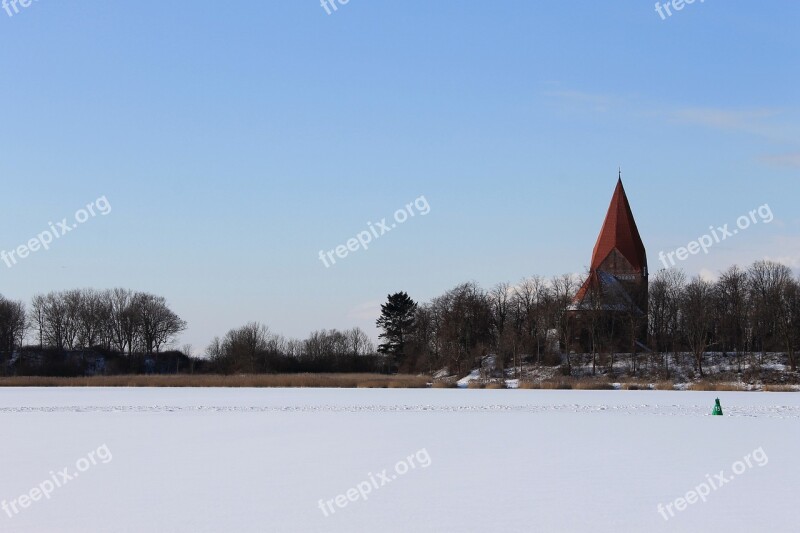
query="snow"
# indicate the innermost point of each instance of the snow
(443, 373)
(255, 460)
(474, 375)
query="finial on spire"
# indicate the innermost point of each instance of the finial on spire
(620, 172)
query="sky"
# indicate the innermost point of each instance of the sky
(228, 144)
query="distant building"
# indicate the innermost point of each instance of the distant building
(613, 299)
(51, 361)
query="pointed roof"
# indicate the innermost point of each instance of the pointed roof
(620, 232)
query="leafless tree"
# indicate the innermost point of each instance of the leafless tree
(121, 322)
(113, 319)
(159, 324)
(466, 325)
(666, 290)
(767, 281)
(52, 319)
(359, 342)
(788, 318)
(92, 318)
(564, 289)
(732, 310)
(696, 314)
(13, 323)
(533, 299)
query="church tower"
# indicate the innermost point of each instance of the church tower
(618, 277)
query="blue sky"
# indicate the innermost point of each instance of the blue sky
(234, 141)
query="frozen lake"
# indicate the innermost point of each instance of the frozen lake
(335, 460)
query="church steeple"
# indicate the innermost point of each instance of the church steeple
(620, 233)
(617, 283)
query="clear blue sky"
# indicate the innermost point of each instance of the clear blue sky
(235, 140)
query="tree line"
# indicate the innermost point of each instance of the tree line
(253, 348)
(752, 311)
(118, 320)
(129, 327)
(746, 311)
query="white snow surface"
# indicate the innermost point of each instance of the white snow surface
(259, 460)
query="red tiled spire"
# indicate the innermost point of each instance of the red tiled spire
(620, 232)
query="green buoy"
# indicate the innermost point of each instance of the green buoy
(717, 409)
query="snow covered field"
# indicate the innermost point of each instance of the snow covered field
(313, 460)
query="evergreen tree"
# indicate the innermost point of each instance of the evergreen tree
(397, 321)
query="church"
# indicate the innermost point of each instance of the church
(610, 308)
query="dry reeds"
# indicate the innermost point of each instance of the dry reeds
(636, 386)
(568, 383)
(556, 384)
(665, 385)
(214, 380)
(780, 388)
(593, 384)
(716, 386)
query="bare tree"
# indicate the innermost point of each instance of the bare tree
(532, 298)
(465, 330)
(500, 304)
(122, 320)
(359, 342)
(424, 341)
(72, 302)
(38, 314)
(696, 313)
(788, 318)
(767, 281)
(731, 306)
(92, 318)
(666, 291)
(159, 324)
(52, 318)
(13, 323)
(564, 289)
